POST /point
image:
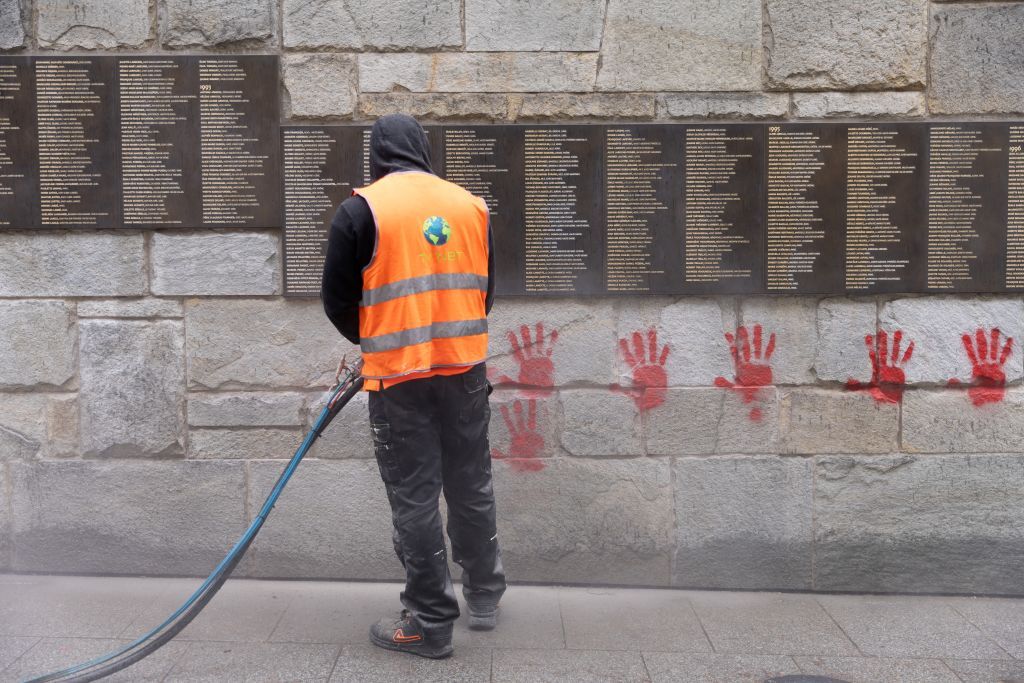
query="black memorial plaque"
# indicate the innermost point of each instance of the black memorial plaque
(1015, 209)
(805, 198)
(239, 139)
(886, 207)
(78, 147)
(159, 115)
(967, 207)
(643, 172)
(563, 213)
(322, 165)
(19, 171)
(723, 219)
(488, 161)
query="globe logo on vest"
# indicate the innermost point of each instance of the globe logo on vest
(437, 230)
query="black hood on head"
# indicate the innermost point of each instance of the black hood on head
(398, 143)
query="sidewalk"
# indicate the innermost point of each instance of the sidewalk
(316, 631)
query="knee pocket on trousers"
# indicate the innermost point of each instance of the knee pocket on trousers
(383, 449)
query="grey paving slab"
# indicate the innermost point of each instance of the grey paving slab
(909, 627)
(256, 662)
(529, 618)
(873, 669)
(769, 623)
(567, 666)
(369, 664)
(1002, 620)
(70, 607)
(987, 671)
(325, 612)
(629, 619)
(12, 647)
(666, 667)
(242, 611)
(51, 654)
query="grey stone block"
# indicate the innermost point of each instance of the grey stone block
(130, 308)
(262, 443)
(770, 623)
(333, 521)
(38, 425)
(348, 436)
(132, 399)
(478, 72)
(859, 104)
(587, 521)
(793, 321)
(319, 85)
(986, 670)
(584, 106)
(525, 429)
(571, 25)
(977, 61)
(584, 350)
(947, 421)
(912, 627)
(678, 45)
(599, 422)
(750, 421)
(13, 647)
(250, 409)
(743, 523)
(668, 667)
(531, 618)
(435, 106)
(202, 23)
(12, 27)
(254, 662)
(727, 105)
(6, 547)
(869, 44)
(686, 423)
(937, 324)
(567, 666)
(287, 344)
(934, 524)
(836, 421)
(999, 619)
(368, 664)
(387, 24)
(67, 24)
(842, 325)
(38, 344)
(162, 518)
(244, 263)
(72, 264)
(877, 669)
(49, 654)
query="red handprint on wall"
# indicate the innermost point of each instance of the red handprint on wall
(533, 356)
(887, 375)
(525, 442)
(987, 360)
(648, 368)
(750, 361)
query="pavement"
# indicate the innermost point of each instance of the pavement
(317, 631)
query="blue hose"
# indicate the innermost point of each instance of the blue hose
(148, 643)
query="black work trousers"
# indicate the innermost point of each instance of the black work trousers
(431, 435)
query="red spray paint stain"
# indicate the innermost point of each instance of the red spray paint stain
(647, 363)
(988, 379)
(750, 359)
(888, 378)
(533, 355)
(526, 442)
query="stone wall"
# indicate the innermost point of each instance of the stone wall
(151, 383)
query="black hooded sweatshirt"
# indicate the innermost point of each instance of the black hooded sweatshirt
(397, 143)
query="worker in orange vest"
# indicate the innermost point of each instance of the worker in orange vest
(409, 276)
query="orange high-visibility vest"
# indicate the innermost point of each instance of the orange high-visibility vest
(423, 307)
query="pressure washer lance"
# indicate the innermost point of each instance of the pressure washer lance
(349, 382)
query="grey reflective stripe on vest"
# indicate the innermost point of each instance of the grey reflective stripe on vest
(423, 283)
(419, 335)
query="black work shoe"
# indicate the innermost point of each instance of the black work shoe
(482, 616)
(405, 634)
